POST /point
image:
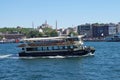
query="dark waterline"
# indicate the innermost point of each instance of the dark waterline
(105, 65)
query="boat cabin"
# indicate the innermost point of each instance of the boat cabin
(51, 44)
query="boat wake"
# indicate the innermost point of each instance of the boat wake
(5, 56)
(89, 54)
(14, 56)
(9, 56)
(55, 57)
(49, 57)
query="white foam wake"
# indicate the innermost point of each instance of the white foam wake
(56, 56)
(28, 57)
(5, 56)
(89, 54)
(50, 57)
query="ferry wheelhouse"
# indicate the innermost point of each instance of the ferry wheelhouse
(54, 46)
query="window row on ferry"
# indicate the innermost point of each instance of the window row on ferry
(50, 48)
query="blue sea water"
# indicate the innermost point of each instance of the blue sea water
(104, 65)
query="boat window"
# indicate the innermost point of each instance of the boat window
(23, 49)
(44, 48)
(40, 48)
(71, 46)
(31, 49)
(66, 47)
(55, 47)
(61, 47)
(50, 48)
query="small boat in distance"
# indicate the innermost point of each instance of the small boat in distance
(54, 46)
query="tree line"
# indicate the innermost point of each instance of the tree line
(30, 32)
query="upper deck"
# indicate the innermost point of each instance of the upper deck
(51, 41)
(53, 38)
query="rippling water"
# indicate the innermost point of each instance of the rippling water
(105, 65)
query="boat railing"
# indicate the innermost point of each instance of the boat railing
(31, 44)
(50, 44)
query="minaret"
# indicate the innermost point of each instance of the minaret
(33, 25)
(45, 21)
(56, 24)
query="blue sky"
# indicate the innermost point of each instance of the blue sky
(67, 12)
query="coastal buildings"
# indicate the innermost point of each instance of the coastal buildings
(118, 27)
(112, 29)
(91, 31)
(11, 37)
(98, 30)
(85, 30)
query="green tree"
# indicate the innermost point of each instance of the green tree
(29, 32)
(32, 34)
(50, 32)
(47, 31)
(24, 31)
(40, 34)
(53, 33)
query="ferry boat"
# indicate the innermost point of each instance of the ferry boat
(54, 46)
